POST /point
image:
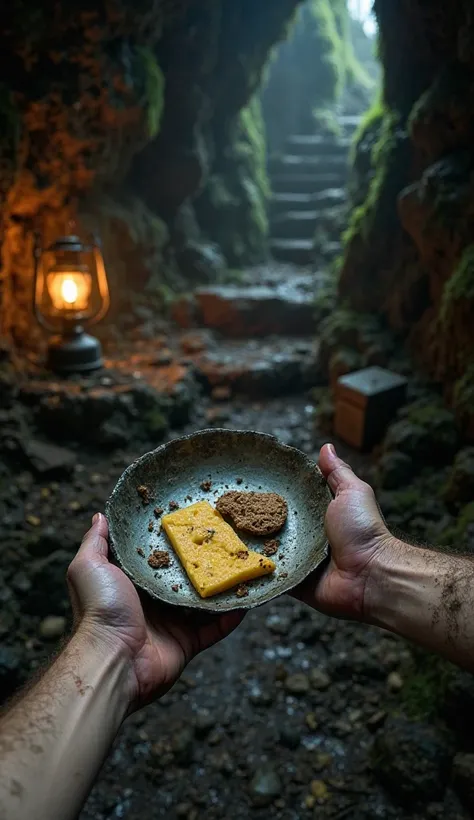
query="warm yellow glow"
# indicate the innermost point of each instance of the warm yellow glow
(69, 290)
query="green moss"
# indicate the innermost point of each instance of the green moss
(154, 89)
(379, 209)
(156, 422)
(426, 685)
(463, 402)
(460, 286)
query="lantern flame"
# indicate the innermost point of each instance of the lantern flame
(69, 291)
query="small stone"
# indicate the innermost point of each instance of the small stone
(259, 697)
(203, 722)
(265, 786)
(319, 791)
(319, 679)
(395, 682)
(182, 745)
(278, 624)
(221, 393)
(463, 779)
(311, 721)
(164, 358)
(10, 670)
(290, 737)
(33, 520)
(412, 760)
(376, 720)
(183, 809)
(52, 627)
(323, 760)
(297, 684)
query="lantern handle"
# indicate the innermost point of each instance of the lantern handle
(38, 283)
(101, 278)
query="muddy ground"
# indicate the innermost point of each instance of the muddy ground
(294, 716)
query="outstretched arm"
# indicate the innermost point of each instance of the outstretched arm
(54, 739)
(423, 595)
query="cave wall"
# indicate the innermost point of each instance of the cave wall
(409, 254)
(139, 118)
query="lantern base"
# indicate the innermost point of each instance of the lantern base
(79, 353)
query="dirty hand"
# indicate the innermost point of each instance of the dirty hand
(158, 641)
(357, 535)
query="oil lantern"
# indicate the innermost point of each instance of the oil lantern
(70, 294)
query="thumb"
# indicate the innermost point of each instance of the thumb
(337, 473)
(94, 544)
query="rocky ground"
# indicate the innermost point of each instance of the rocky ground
(295, 715)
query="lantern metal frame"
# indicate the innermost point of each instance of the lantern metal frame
(72, 350)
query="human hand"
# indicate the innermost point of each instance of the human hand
(158, 641)
(357, 535)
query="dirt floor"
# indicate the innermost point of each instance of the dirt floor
(278, 721)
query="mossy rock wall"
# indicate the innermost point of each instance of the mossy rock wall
(124, 114)
(408, 252)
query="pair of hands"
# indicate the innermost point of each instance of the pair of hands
(158, 642)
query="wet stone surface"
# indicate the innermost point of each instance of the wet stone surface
(292, 716)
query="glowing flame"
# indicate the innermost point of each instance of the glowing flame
(69, 291)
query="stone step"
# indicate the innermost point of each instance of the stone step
(296, 224)
(307, 202)
(238, 312)
(291, 163)
(273, 367)
(296, 251)
(314, 145)
(294, 183)
(349, 123)
(329, 250)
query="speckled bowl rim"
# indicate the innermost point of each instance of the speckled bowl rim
(307, 464)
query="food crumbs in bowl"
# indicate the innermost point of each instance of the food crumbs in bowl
(242, 591)
(173, 505)
(271, 547)
(144, 493)
(159, 559)
(206, 485)
(140, 552)
(158, 511)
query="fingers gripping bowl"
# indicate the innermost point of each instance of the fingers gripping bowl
(202, 467)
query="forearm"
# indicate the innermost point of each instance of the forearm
(54, 740)
(425, 596)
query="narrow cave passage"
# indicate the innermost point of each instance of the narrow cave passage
(276, 208)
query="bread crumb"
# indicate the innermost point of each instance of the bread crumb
(144, 493)
(140, 552)
(242, 591)
(159, 559)
(271, 547)
(158, 511)
(206, 485)
(173, 505)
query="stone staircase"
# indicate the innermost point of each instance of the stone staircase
(256, 338)
(308, 181)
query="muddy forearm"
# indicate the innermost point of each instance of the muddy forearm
(427, 597)
(53, 740)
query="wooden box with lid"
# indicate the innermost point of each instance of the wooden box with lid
(366, 403)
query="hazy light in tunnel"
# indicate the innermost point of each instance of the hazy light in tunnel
(362, 10)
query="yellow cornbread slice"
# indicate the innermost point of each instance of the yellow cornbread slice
(213, 556)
